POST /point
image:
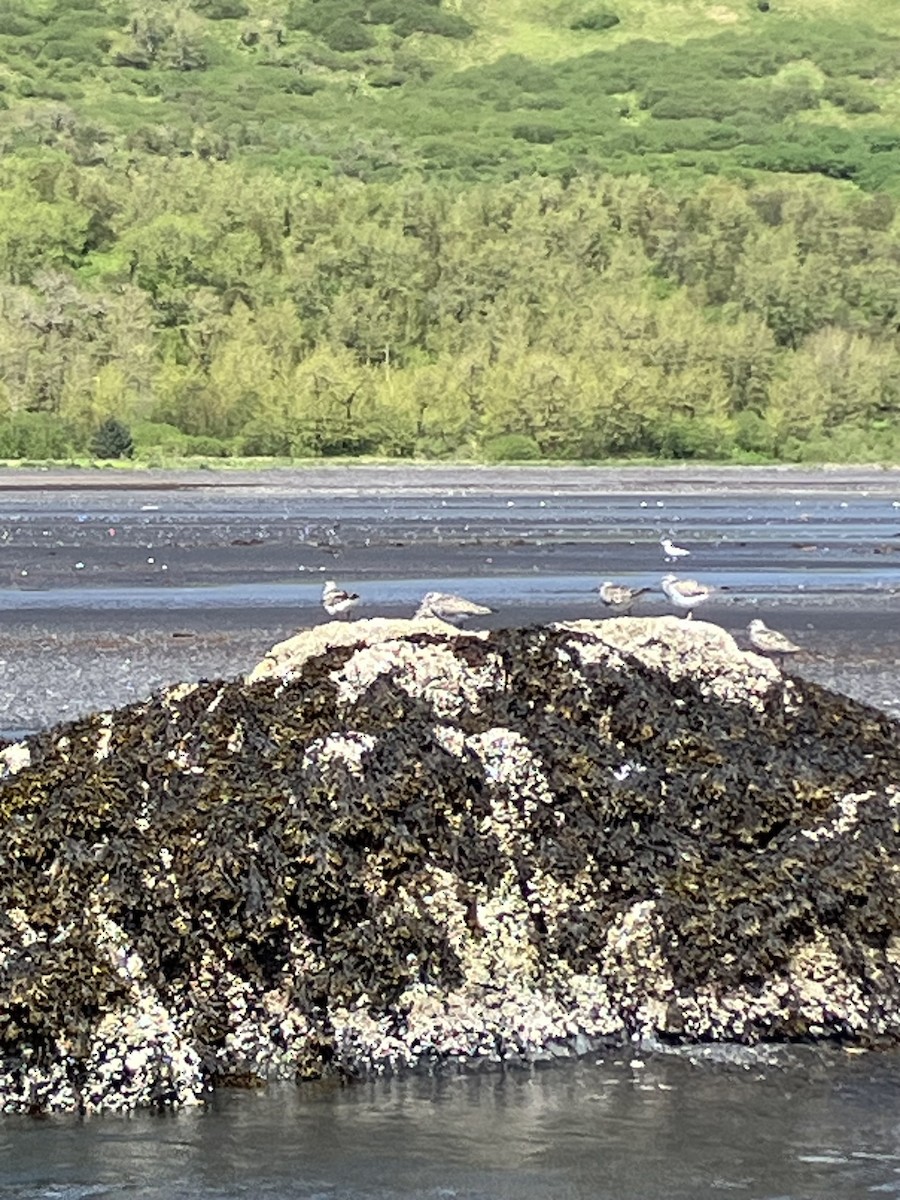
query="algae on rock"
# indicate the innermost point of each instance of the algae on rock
(399, 843)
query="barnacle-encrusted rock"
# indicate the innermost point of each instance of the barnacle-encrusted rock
(400, 843)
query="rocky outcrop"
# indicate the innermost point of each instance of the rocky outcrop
(401, 844)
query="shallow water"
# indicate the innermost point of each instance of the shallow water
(793, 1124)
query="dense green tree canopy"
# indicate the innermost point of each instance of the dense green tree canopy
(331, 227)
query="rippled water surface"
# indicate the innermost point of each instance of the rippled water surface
(791, 1125)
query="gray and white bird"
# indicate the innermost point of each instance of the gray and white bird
(618, 597)
(444, 606)
(336, 601)
(686, 593)
(671, 551)
(770, 641)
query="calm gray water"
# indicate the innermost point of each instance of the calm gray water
(806, 1126)
(106, 592)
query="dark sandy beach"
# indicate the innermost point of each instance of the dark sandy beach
(112, 583)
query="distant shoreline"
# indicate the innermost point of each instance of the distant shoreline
(434, 476)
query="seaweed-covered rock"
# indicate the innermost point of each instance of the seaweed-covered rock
(397, 843)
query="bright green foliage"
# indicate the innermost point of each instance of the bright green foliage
(333, 227)
(487, 90)
(33, 435)
(226, 312)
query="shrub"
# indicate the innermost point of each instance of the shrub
(87, 50)
(850, 97)
(753, 434)
(537, 134)
(387, 77)
(511, 447)
(207, 447)
(318, 17)
(349, 445)
(158, 435)
(346, 35)
(34, 435)
(385, 12)
(302, 85)
(224, 10)
(694, 437)
(432, 20)
(261, 441)
(597, 20)
(15, 25)
(112, 440)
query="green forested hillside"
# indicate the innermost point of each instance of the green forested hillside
(516, 229)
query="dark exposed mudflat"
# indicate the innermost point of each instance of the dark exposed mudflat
(112, 583)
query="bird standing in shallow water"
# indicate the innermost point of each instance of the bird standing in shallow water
(770, 641)
(671, 551)
(336, 601)
(444, 606)
(686, 593)
(618, 597)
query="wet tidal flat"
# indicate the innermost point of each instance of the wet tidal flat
(110, 587)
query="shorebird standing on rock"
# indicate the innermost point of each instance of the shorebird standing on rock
(770, 641)
(336, 601)
(673, 552)
(618, 597)
(686, 593)
(446, 607)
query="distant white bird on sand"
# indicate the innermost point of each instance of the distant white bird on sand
(619, 597)
(686, 593)
(770, 641)
(671, 551)
(446, 607)
(335, 600)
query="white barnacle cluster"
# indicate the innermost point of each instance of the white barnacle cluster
(840, 819)
(287, 659)
(138, 1054)
(813, 992)
(515, 778)
(508, 759)
(348, 749)
(635, 966)
(181, 756)
(434, 672)
(14, 758)
(696, 650)
(104, 738)
(179, 691)
(509, 1005)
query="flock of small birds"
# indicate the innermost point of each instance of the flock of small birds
(683, 594)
